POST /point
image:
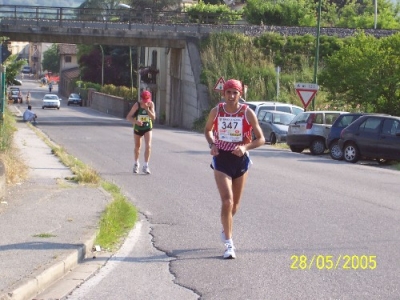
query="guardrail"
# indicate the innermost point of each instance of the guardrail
(105, 15)
(33, 17)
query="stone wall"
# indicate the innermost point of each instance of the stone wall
(112, 105)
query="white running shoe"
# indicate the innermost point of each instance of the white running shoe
(146, 170)
(229, 252)
(136, 168)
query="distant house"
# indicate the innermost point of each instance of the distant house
(68, 58)
(69, 68)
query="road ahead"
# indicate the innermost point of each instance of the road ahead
(308, 228)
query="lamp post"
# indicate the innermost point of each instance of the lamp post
(317, 49)
(102, 65)
(375, 13)
(130, 53)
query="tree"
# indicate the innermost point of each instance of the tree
(51, 59)
(13, 67)
(365, 74)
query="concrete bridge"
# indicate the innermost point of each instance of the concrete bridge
(178, 94)
(171, 42)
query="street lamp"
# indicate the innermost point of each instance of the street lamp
(317, 49)
(130, 52)
(102, 65)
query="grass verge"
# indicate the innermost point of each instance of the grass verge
(119, 216)
(15, 168)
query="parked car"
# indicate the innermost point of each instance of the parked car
(274, 125)
(253, 104)
(51, 101)
(284, 107)
(15, 95)
(310, 130)
(74, 99)
(16, 81)
(26, 70)
(372, 137)
(334, 134)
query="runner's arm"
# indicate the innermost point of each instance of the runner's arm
(130, 117)
(208, 129)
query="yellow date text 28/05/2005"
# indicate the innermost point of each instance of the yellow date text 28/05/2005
(331, 262)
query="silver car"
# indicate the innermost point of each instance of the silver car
(274, 125)
(309, 130)
(51, 101)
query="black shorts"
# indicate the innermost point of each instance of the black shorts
(231, 164)
(142, 132)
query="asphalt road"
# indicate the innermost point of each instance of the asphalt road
(308, 228)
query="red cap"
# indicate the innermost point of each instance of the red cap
(233, 84)
(145, 96)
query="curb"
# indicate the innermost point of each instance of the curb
(33, 286)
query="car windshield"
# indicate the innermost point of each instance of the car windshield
(50, 97)
(74, 96)
(282, 119)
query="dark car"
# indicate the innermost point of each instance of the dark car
(274, 125)
(334, 134)
(74, 99)
(371, 137)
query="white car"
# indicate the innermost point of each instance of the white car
(51, 101)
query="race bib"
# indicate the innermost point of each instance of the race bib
(144, 118)
(230, 129)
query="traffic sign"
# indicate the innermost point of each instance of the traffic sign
(306, 92)
(219, 86)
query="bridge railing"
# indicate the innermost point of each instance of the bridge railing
(62, 14)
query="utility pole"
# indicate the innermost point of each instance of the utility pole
(317, 49)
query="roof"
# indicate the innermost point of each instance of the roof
(65, 49)
(71, 73)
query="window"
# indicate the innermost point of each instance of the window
(67, 59)
(371, 125)
(319, 119)
(390, 127)
(284, 109)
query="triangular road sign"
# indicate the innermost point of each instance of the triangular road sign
(306, 92)
(219, 86)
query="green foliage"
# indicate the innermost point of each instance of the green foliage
(212, 14)
(7, 128)
(119, 91)
(117, 220)
(365, 74)
(357, 14)
(237, 56)
(352, 14)
(13, 67)
(51, 59)
(280, 13)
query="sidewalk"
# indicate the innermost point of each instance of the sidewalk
(47, 224)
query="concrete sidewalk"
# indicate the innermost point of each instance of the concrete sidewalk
(47, 223)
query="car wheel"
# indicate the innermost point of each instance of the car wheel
(272, 139)
(296, 149)
(58, 108)
(335, 151)
(68, 104)
(351, 153)
(317, 147)
(42, 107)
